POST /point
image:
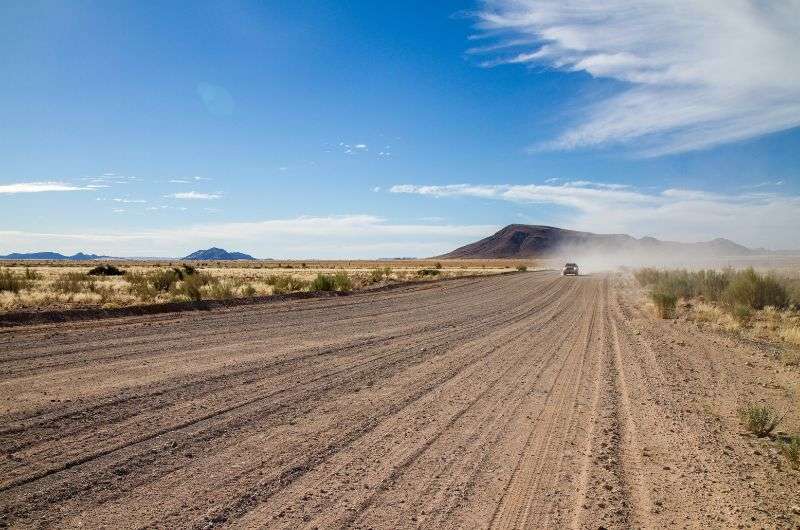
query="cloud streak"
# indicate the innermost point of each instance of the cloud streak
(756, 219)
(694, 74)
(194, 196)
(39, 187)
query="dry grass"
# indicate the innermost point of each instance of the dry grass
(65, 285)
(757, 305)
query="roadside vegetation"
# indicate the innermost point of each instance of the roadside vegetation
(758, 305)
(60, 285)
(762, 420)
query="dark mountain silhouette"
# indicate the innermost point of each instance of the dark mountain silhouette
(215, 253)
(80, 256)
(535, 241)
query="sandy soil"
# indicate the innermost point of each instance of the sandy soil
(524, 400)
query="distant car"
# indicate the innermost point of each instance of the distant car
(570, 268)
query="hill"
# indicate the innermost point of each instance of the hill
(217, 254)
(536, 241)
(52, 256)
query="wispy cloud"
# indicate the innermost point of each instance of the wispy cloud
(124, 200)
(696, 73)
(327, 236)
(753, 218)
(39, 187)
(195, 195)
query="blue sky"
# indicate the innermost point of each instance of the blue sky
(356, 129)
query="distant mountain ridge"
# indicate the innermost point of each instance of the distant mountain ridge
(217, 254)
(53, 256)
(537, 241)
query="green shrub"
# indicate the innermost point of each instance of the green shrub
(106, 270)
(164, 280)
(139, 286)
(428, 272)
(754, 290)
(285, 283)
(342, 281)
(665, 303)
(522, 268)
(761, 420)
(323, 282)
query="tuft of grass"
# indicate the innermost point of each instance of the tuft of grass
(742, 314)
(106, 270)
(323, 282)
(791, 335)
(74, 283)
(342, 281)
(760, 420)
(791, 450)
(31, 274)
(664, 303)
(12, 282)
(285, 283)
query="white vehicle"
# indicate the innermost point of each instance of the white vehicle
(570, 268)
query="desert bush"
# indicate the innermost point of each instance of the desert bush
(74, 283)
(428, 272)
(12, 282)
(285, 283)
(522, 268)
(248, 291)
(342, 281)
(751, 289)
(665, 303)
(647, 276)
(139, 286)
(791, 449)
(437, 265)
(375, 275)
(323, 282)
(31, 274)
(106, 270)
(761, 420)
(220, 291)
(164, 280)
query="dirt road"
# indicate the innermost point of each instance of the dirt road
(524, 400)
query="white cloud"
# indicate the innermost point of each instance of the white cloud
(194, 195)
(39, 187)
(129, 201)
(755, 219)
(696, 73)
(344, 236)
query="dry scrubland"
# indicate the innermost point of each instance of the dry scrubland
(65, 285)
(756, 305)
